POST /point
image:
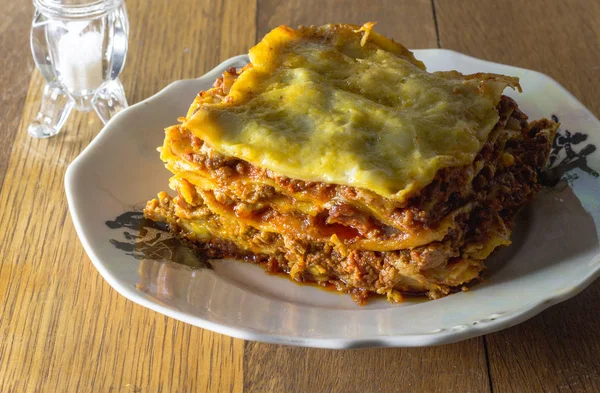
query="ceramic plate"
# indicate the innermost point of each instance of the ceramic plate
(554, 255)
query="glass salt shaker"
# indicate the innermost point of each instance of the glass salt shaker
(80, 47)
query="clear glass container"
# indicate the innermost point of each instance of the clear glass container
(80, 47)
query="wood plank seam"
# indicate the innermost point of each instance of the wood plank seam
(256, 21)
(487, 364)
(435, 21)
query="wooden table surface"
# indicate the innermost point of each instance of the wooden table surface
(63, 329)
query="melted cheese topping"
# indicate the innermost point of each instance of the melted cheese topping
(317, 104)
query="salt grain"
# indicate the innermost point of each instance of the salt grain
(80, 59)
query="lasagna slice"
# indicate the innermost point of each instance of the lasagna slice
(335, 157)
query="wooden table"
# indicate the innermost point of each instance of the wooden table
(63, 329)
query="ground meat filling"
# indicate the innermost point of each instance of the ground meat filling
(501, 180)
(450, 188)
(345, 206)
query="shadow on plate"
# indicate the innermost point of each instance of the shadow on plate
(554, 229)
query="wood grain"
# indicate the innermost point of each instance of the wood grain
(407, 21)
(62, 328)
(559, 38)
(450, 368)
(267, 368)
(559, 350)
(16, 65)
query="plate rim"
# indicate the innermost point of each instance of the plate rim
(455, 334)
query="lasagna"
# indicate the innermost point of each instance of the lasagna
(335, 157)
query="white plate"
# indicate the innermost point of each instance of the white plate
(555, 253)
